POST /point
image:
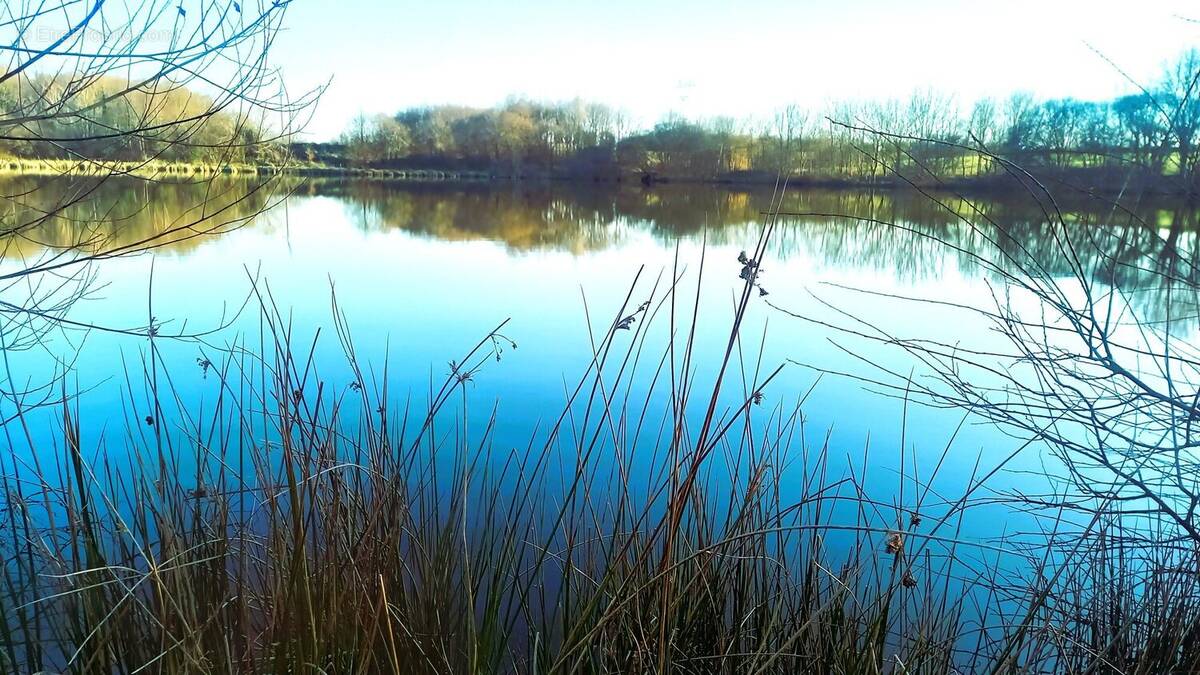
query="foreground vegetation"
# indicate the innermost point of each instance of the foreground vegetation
(306, 519)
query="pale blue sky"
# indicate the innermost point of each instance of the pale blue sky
(703, 58)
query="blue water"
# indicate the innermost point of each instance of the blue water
(422, 274)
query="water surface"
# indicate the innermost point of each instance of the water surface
(423, 271)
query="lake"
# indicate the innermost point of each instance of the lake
(422, 271)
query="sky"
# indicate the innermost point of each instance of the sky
(708, 58)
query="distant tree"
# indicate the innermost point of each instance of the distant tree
(787, 129)
(430, 132)
(1022, 124)
(723, 131)
(515, 130)
(357, 139)
(926, 134)
(1099, 137)
(621, 126)
(600, 121)
(476, 137)
(678, 147)
(1178, 93)
(1059, 129)
(391, 138)
(1141, 129)
(982, 125)
(932, 117)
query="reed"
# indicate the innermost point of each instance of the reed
(305, 522)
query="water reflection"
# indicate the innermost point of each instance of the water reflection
(97, 216)
(1136, 245)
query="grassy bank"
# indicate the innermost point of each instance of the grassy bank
(142, 168)
(165, 169)
(1087, 182)
(307, 520)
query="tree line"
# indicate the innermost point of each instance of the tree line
(1154, 130)
(108, 117)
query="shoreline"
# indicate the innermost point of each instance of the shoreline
(985, 184)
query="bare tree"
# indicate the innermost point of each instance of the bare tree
(1108, 384)
(788, 126)
(96, 91)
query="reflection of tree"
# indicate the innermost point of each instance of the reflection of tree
(901, 233)
(522, 217)
(121, 213)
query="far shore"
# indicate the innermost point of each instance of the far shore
(1079, 181)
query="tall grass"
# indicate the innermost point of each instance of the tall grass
(303, 524)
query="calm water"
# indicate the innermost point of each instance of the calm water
(423, 271)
